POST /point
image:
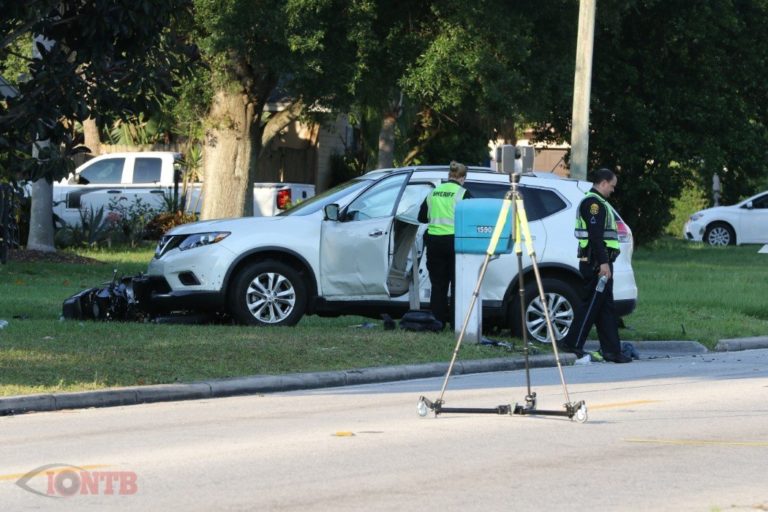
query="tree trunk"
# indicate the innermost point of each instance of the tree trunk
(387, 141)
(41, 211)
(41, 217)
(387, 134)
(92, 138)
(227, 189)
(279, 121)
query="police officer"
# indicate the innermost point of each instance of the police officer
(439, 210)
(598, 248)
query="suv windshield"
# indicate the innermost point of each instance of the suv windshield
(332, 195)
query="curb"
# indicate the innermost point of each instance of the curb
(660, 347)
(262, 384)
(742, 344)
(219, 388)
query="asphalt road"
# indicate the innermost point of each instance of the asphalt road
(677, 434)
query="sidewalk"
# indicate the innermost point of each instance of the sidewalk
(275, 383)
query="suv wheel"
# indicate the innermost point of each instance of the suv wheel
(268, 293)
(564, 309)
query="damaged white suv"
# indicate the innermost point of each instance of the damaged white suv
(349, 251)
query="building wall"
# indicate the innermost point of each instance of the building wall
(551, 160)
(548, 157)
(301, 154)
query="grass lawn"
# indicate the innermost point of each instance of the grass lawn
(695, 292)
(687, 292)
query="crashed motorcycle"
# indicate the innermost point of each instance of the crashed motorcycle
(119, 299)
(127, 299)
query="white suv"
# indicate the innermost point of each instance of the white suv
(348, 251)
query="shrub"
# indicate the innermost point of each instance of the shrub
(130, 220)
(343, 168)
(692, 199)
(93, 229)
(164, 221)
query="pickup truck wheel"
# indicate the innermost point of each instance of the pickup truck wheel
(564, 309)
(268, 293)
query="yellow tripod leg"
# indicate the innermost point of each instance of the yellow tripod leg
(499, 227)
(500, 222)
(526, 232)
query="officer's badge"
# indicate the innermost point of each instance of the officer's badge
(594, 209)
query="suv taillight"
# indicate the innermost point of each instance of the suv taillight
(625, 235)
(284, 199)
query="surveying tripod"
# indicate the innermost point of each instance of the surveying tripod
(578, 410)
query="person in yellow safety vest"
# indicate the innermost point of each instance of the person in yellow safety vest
(438, 210)
(598, 238)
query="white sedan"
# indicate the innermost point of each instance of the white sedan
(742, 223)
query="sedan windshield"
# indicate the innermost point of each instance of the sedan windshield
(333, 195)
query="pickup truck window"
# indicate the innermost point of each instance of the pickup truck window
(109, 171)
(147, 170)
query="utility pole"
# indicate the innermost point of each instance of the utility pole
(582, 83)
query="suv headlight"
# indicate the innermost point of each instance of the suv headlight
(201, 239)
(696, 216)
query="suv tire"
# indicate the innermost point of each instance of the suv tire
(268, 293)
(565, 309)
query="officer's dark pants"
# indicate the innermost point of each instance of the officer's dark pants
(599, 311)
(441, 266)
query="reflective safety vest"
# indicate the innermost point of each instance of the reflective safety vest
(610, 231)
(442, 208)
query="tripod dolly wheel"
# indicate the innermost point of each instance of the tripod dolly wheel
(422, 408)
(581, 414)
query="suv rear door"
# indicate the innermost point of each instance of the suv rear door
(537, 202)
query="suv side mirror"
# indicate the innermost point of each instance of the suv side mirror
(331, 212)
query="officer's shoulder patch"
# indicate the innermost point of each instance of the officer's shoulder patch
(594, 209)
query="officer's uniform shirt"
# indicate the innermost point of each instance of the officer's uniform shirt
(593, 212)
(424, 210)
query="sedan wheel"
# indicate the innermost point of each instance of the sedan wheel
(268, 293)
(720, 235)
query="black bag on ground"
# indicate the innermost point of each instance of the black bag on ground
(420, 321)
(629, 350)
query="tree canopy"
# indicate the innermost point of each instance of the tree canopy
(677, 91)
(448, 73)
(678, 88)
(298, 52)
(94, 57)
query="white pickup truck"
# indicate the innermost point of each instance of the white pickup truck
(154, 177)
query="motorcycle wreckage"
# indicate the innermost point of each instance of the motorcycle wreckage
(124, 299)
